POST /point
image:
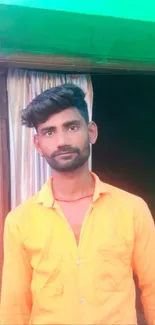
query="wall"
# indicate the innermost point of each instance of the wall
(130, 9)
(96, 30)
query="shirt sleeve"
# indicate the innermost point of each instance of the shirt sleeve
(144, 258)
(15, 307)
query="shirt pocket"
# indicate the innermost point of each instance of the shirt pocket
(48, 289)
(48, 277)
(112, 268)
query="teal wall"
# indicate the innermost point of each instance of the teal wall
(132, 9)
(103, 35)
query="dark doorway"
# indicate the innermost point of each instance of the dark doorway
(124, 156)
(124, 110)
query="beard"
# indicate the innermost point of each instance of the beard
(68, 159)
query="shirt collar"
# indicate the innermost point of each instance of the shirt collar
(46, 198)
(45, 195)
(100, 187)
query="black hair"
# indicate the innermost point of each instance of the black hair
(52, 101)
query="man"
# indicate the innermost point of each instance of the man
(71, 250)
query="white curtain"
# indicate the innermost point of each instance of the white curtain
(28, 170)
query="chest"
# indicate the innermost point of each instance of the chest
(103, 227)
(101, 259)
(75, 213)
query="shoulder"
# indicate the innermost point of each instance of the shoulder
(129, 204)
(131, 209)
(117, 197)
(123, 196)
(21, 215)
(126, 203)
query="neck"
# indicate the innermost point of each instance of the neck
(73, 185)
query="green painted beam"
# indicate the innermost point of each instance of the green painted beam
(100, 38)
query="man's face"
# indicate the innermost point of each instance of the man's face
(64, 140)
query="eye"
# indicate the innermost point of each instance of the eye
(49, 133)
(73, 128)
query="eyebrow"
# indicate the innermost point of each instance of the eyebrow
(47, 129)
(73, 122)
(66, 124)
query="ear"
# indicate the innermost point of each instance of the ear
(93, 132)
(37, 145)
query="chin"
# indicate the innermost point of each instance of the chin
(68, 169)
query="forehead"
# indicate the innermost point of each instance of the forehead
(59, 119)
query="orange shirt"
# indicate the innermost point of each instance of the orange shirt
(49, 279)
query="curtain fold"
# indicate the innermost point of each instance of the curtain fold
(28, 170)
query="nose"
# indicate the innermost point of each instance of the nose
(61, 139)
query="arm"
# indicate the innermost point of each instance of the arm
(144, 259)
(16, 278)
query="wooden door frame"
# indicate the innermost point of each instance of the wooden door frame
(4, 159)
(72, 63)
(50, 63)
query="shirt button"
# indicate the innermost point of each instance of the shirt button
(81, 300)
(78, 262)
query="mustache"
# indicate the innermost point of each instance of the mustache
(65, 149)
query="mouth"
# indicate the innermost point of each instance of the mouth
(68, 153)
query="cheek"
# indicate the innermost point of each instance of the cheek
(83, 141)
(47, 147)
